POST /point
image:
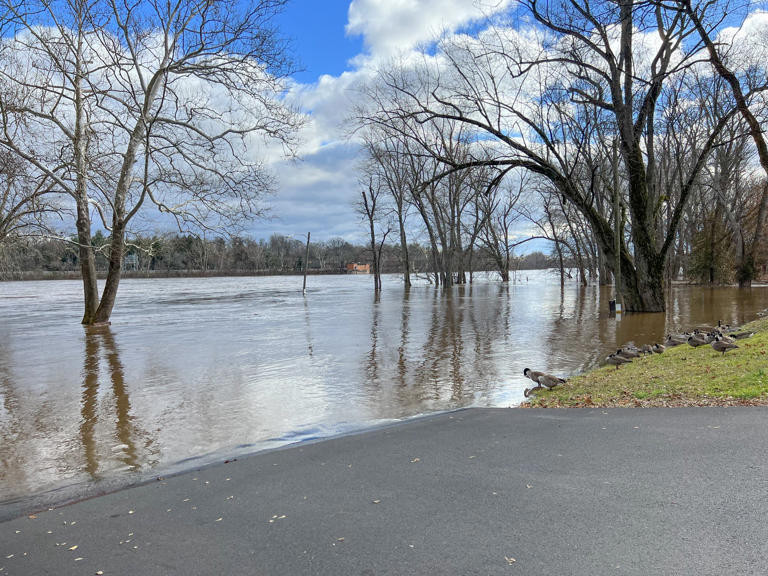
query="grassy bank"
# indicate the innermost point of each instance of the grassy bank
(681, 376)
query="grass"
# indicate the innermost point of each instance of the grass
(681, 376)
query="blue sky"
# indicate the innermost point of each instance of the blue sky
(316, 31)
(339, 43)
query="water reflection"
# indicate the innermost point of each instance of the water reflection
(101, 358)
(228, 364)
(10, 421)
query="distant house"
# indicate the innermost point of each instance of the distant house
(130, 262)
(358, 268)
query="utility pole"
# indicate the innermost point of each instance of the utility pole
(306, 264)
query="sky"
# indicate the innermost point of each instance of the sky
(336, 43)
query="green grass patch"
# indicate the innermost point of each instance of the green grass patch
(682, 376)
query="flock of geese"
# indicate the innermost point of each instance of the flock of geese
(721, 338)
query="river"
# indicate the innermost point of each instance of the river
(192, 371)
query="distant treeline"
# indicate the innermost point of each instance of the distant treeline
(172, 255)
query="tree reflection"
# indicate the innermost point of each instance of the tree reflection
(372, 365)
(101, 355)
(402, 359)
(10, 423)
(448, 348)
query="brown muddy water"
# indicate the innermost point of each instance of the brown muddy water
(194, 371)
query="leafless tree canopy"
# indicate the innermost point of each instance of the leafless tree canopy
(120, 105)
(613, 106)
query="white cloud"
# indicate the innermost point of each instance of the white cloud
(319, 192)
(325, 182)
(390, 27)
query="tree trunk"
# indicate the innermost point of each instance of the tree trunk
(87, 262)
(108, 296)
(405, 258)
(747, 270)
(375, 256)
(643, 285)
(83, 224)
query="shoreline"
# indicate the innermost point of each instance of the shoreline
(683, 376)
(76, 492)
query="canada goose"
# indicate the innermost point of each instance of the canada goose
(646, 349)
(659, 348)
(697, 341)
(722, 346)
(543, 379)
(627, 353)
(616, 360)
(741, 335)
(675, 340)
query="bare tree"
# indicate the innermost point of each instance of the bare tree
(399, 171)
(123, 105)
(25, 204)
(743, 83)
(499, 210)
(372, 207)
(535, 101)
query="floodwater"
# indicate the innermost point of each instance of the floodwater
(193, 371)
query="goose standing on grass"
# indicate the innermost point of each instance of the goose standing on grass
(627, 353)
(675, 340)
(646, 349)
(722, 346)
(741, 335)
(697, 341)
(658, 348)
(616, 360)
(543, 379)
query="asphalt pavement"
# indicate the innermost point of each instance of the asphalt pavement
(479, 491)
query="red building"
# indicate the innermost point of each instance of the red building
(358, 268)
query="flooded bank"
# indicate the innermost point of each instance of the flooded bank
(194, 369)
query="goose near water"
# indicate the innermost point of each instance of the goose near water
(675, 340)
(616, 360)
(697, 340)
(722, 346)
(543, 379)
(628, 353)
(741, 335)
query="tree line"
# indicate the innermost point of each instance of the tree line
(628, 133)
(188, 254)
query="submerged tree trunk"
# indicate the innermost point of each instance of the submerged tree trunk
(405, 258)
(109, 294)
(87, 263)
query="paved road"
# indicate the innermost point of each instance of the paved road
(481, 491)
